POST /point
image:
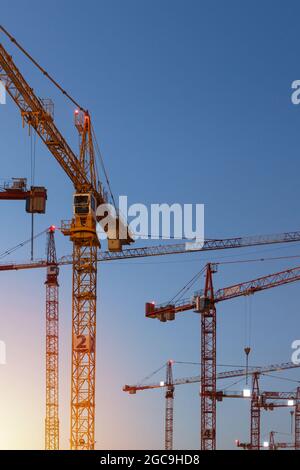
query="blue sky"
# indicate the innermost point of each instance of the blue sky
(191, 102)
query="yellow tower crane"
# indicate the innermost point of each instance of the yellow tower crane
(89, 194)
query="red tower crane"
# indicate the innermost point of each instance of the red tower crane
(261, 400)
(133, 389)
(293, 399)
(255, 414)
(169, 407)
(52, 345)
(168, 249)
(205, 304)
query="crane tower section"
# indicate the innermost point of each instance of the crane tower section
(52, 347)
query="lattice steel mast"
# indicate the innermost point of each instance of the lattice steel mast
(255, 415)
(52, 347)
(169, 407)
(208, 364)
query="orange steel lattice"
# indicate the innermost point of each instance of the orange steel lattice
(83, 346)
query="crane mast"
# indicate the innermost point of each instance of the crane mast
(208, 365)
(255, 415)
(169, 407)
(82, 232)
(297, 420)
(52, 347)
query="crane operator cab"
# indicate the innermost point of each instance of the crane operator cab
(85, 205)
(84, 222)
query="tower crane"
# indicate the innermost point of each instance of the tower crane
(171, 383)
(205, 304)
(168, 249)
(261, 400)
(52, 346)
(133, 389)
(169, 407)
(89, 194)
(255, 415)
(37, 114)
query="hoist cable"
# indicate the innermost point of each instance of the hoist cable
(20, 245)
(44, 72)
(188, 286)
(103, 167)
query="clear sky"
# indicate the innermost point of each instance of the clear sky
(191, 104)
